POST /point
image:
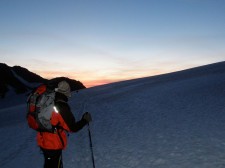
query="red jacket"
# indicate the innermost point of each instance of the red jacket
(62, 120)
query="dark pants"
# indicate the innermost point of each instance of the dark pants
(53, 158)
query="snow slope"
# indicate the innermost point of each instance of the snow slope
(168, 121)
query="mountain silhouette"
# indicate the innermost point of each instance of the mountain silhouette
(20, 80)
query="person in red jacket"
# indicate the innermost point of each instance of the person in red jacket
(62, 120)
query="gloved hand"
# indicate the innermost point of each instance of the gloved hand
(87, 117)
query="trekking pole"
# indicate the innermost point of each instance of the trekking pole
(89, 133)
(91, 146)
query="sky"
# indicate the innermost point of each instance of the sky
(104, 41)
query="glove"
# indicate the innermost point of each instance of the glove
(87, 117)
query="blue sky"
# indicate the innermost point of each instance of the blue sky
(101, 41)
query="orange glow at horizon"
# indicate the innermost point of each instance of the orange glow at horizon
(91, 81)
(88, 82)
(95, 78)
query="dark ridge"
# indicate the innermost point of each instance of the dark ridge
(10, 78)
(27, 75)
(75, 85)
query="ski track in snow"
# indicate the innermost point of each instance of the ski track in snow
(160, 122)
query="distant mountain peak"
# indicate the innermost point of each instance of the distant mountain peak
(20, 80)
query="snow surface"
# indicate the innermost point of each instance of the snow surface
(168, 121)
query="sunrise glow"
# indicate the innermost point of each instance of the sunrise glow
(99, 42)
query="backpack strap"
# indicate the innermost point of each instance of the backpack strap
(55, 130)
